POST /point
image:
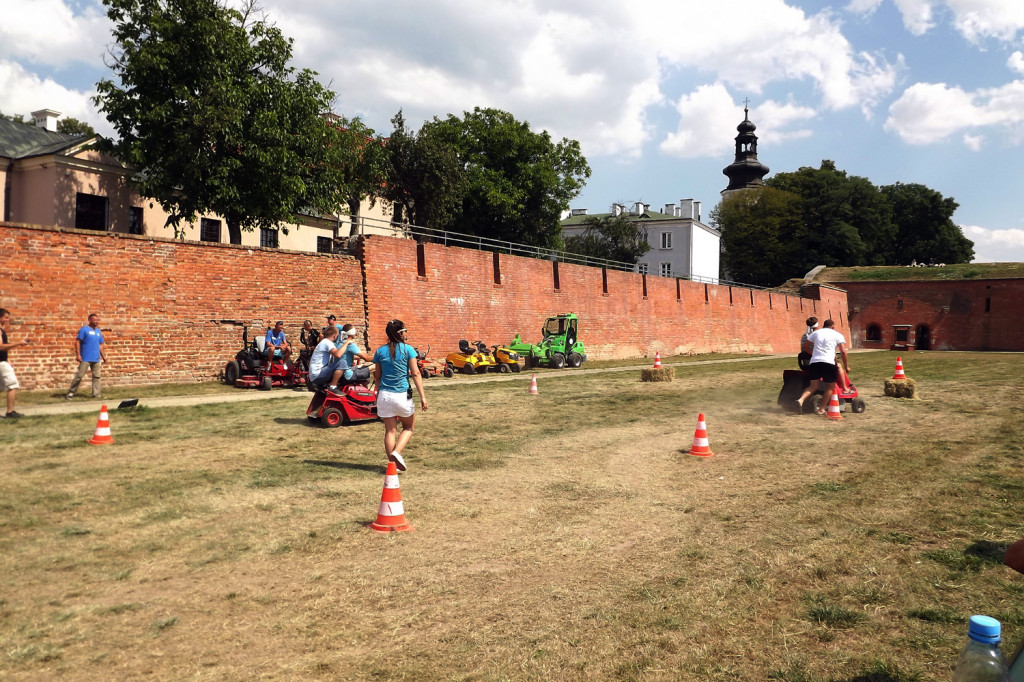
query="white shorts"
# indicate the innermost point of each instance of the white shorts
(9, 382)
(394, 405)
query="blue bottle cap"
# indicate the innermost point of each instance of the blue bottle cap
(984, 629)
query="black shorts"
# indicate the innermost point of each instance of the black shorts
(822, 371)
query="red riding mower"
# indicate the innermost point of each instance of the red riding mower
(794, 381)
(353, 401)
(250, 369)
(432, 368)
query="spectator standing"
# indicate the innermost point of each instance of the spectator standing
(8, 381)
(394, 363)
(89, 353)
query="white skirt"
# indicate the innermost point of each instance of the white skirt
(394, 405)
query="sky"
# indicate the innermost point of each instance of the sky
(912, 91)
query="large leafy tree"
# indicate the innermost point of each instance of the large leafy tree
(72, 126)
(763, 234)
(610, 237)
(210, 112)
(926, 229)
(511, 183)
(425, 180)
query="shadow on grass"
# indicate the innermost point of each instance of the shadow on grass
(991, 552)
(376, 468)
(293, 420)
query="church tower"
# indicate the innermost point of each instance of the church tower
(746, 171)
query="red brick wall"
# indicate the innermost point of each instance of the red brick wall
(458, 299)
(954, 312)
(163, 304)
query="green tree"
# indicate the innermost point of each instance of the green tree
(926, 229)
(210, 112)
(72, 126)
(763, 234)
(610, 237)
(425, 180)
(17, 118)
(847, 220)
(517, 182)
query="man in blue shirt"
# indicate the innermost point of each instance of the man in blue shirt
(276, 346)
(89, 352)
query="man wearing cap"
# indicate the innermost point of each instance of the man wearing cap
(332, 321)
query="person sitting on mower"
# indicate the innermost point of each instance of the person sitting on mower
(804, 358)
(325, 364)
(309, 337)
(275, 345)
(822, 345)
(350, 349)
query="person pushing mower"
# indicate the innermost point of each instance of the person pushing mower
(822, 344)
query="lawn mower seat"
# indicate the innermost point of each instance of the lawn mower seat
(261, 344)
(464, 347)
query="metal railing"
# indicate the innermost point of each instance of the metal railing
(447, 238)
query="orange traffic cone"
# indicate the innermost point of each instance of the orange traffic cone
(657, 360)
(700, 439)
(899, 369)
(533, 386)
(834, 412)
(102, 435)
(391, 514)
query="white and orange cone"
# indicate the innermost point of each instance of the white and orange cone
(657, 360)
(391, 513)
(834, 411)
(700, 439)
(899, 369)
(533, 385)
(102, 435)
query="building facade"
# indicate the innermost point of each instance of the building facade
(681, 245)
(51, 178)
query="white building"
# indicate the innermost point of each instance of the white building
(681, 245)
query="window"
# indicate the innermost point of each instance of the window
(874, 333)
(324, 245)
(268, 238)
(666, 240)
(135, 220)
(209, 230)
(901, 334)
(666, 269)
(642, 268)
(90, 212)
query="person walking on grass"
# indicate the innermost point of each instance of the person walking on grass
(822, 345)
(8, 381)
(89, 353)
(394, 363)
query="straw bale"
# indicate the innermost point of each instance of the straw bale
(901, 388)
(660, 374)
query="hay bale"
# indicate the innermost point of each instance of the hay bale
(901, 388)
(660, 374)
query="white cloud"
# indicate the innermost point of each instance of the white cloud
(1016, 62)
(930, 112)
(973, 142)
(863, 6)
(22, 93)
(590, 70)
(52, 33)
(975, 20)
(992, 246)
(707, 117)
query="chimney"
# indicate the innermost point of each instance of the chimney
(696, 210)
(670, 209)
(686, 208)
(579, 211)
(46, 118)
(617, 209)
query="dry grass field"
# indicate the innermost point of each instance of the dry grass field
(565, 536)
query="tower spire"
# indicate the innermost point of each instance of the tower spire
(746, 171)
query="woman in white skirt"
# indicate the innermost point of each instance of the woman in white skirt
(394, 363)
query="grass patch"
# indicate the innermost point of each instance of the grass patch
(560, 536)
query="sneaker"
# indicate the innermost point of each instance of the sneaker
(334, 389)
(798, 406)
(14, 415)
(97, 397)
(69, 396)
(397, 459)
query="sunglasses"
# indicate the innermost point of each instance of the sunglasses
(403, 331)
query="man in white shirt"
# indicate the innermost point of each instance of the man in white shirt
(822, 345)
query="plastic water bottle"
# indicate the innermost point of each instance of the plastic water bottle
(981, 660)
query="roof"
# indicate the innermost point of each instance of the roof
(646, 216)
(22, 140)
